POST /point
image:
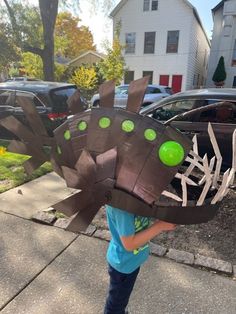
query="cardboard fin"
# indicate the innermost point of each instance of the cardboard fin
(107, 94)
(74, 103)
(32, 115)
(83, 219)
(106, 164)
(136, 94)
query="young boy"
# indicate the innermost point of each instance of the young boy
(128, 249)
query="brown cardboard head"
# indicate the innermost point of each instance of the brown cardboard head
(131, 162)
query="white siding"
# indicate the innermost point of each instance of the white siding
(224, 35)
(171, 15)
(198, 57)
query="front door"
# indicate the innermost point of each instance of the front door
(177, 83)
(164, 80)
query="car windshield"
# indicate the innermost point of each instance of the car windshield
(121, 90)
(59, 98)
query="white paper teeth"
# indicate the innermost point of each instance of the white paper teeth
(210, 177)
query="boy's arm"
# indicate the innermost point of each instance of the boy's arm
(134, 241)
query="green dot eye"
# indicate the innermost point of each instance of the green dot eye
(82, 125)
(67, 135)
(171, 153)
(127, 126)
(104, 122)
(59, 150)
(150, 134)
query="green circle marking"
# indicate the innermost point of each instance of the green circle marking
(171, 153)
(150, 134)
(127, 126)
(82, 125)
(59, 150)
(67, 135)
(104, 122)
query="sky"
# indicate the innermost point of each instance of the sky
(101, 27)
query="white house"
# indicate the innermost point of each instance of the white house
(164, 39)
(224, 41)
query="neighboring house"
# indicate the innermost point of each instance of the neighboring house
(164, 39)
(88, 57)
(224, 41)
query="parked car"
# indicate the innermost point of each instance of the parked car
(152, 94)
(191, 111)
(21, 78)
(50, 99)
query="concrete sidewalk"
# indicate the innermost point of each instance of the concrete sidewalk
(46, 270)
(39, 194)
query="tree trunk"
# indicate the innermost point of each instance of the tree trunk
(48, 11)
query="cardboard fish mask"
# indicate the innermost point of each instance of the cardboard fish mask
(132, 162)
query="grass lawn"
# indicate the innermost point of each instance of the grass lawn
(12, 172)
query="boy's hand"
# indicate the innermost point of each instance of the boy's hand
(165, 226)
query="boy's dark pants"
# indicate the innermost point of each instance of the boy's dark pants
(121, 286)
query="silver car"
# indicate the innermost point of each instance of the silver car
(192, 110)
(153, 93)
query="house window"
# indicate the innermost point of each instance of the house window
(146, 5)
(154, 5)
(196, 54)
(234, 82)
(150, 73)
(234, 55)
(130, 43)
(149, 42)
(204, 61)
(129, 77)
(172, 41)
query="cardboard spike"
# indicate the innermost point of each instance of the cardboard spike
(17, 128)
(74, 103)
(107, 94)
(86, 167)
(136, 94)
(72, 204)
(18, 147)
(71, 177)
(32, 115)
(106, 164)
(83, 219)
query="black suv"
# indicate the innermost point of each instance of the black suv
(50, 99)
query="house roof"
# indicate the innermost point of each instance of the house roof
(123, 2)
(83, 54)
(118, 7)
(219, 5)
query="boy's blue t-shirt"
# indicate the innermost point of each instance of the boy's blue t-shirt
(123, 224)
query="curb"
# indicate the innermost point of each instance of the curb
(195, 260)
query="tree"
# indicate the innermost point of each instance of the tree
(219, 75)
(8, 51)
(48, 12)
(113, 66)
(32, 65)
(86, 79)
(70, 39)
